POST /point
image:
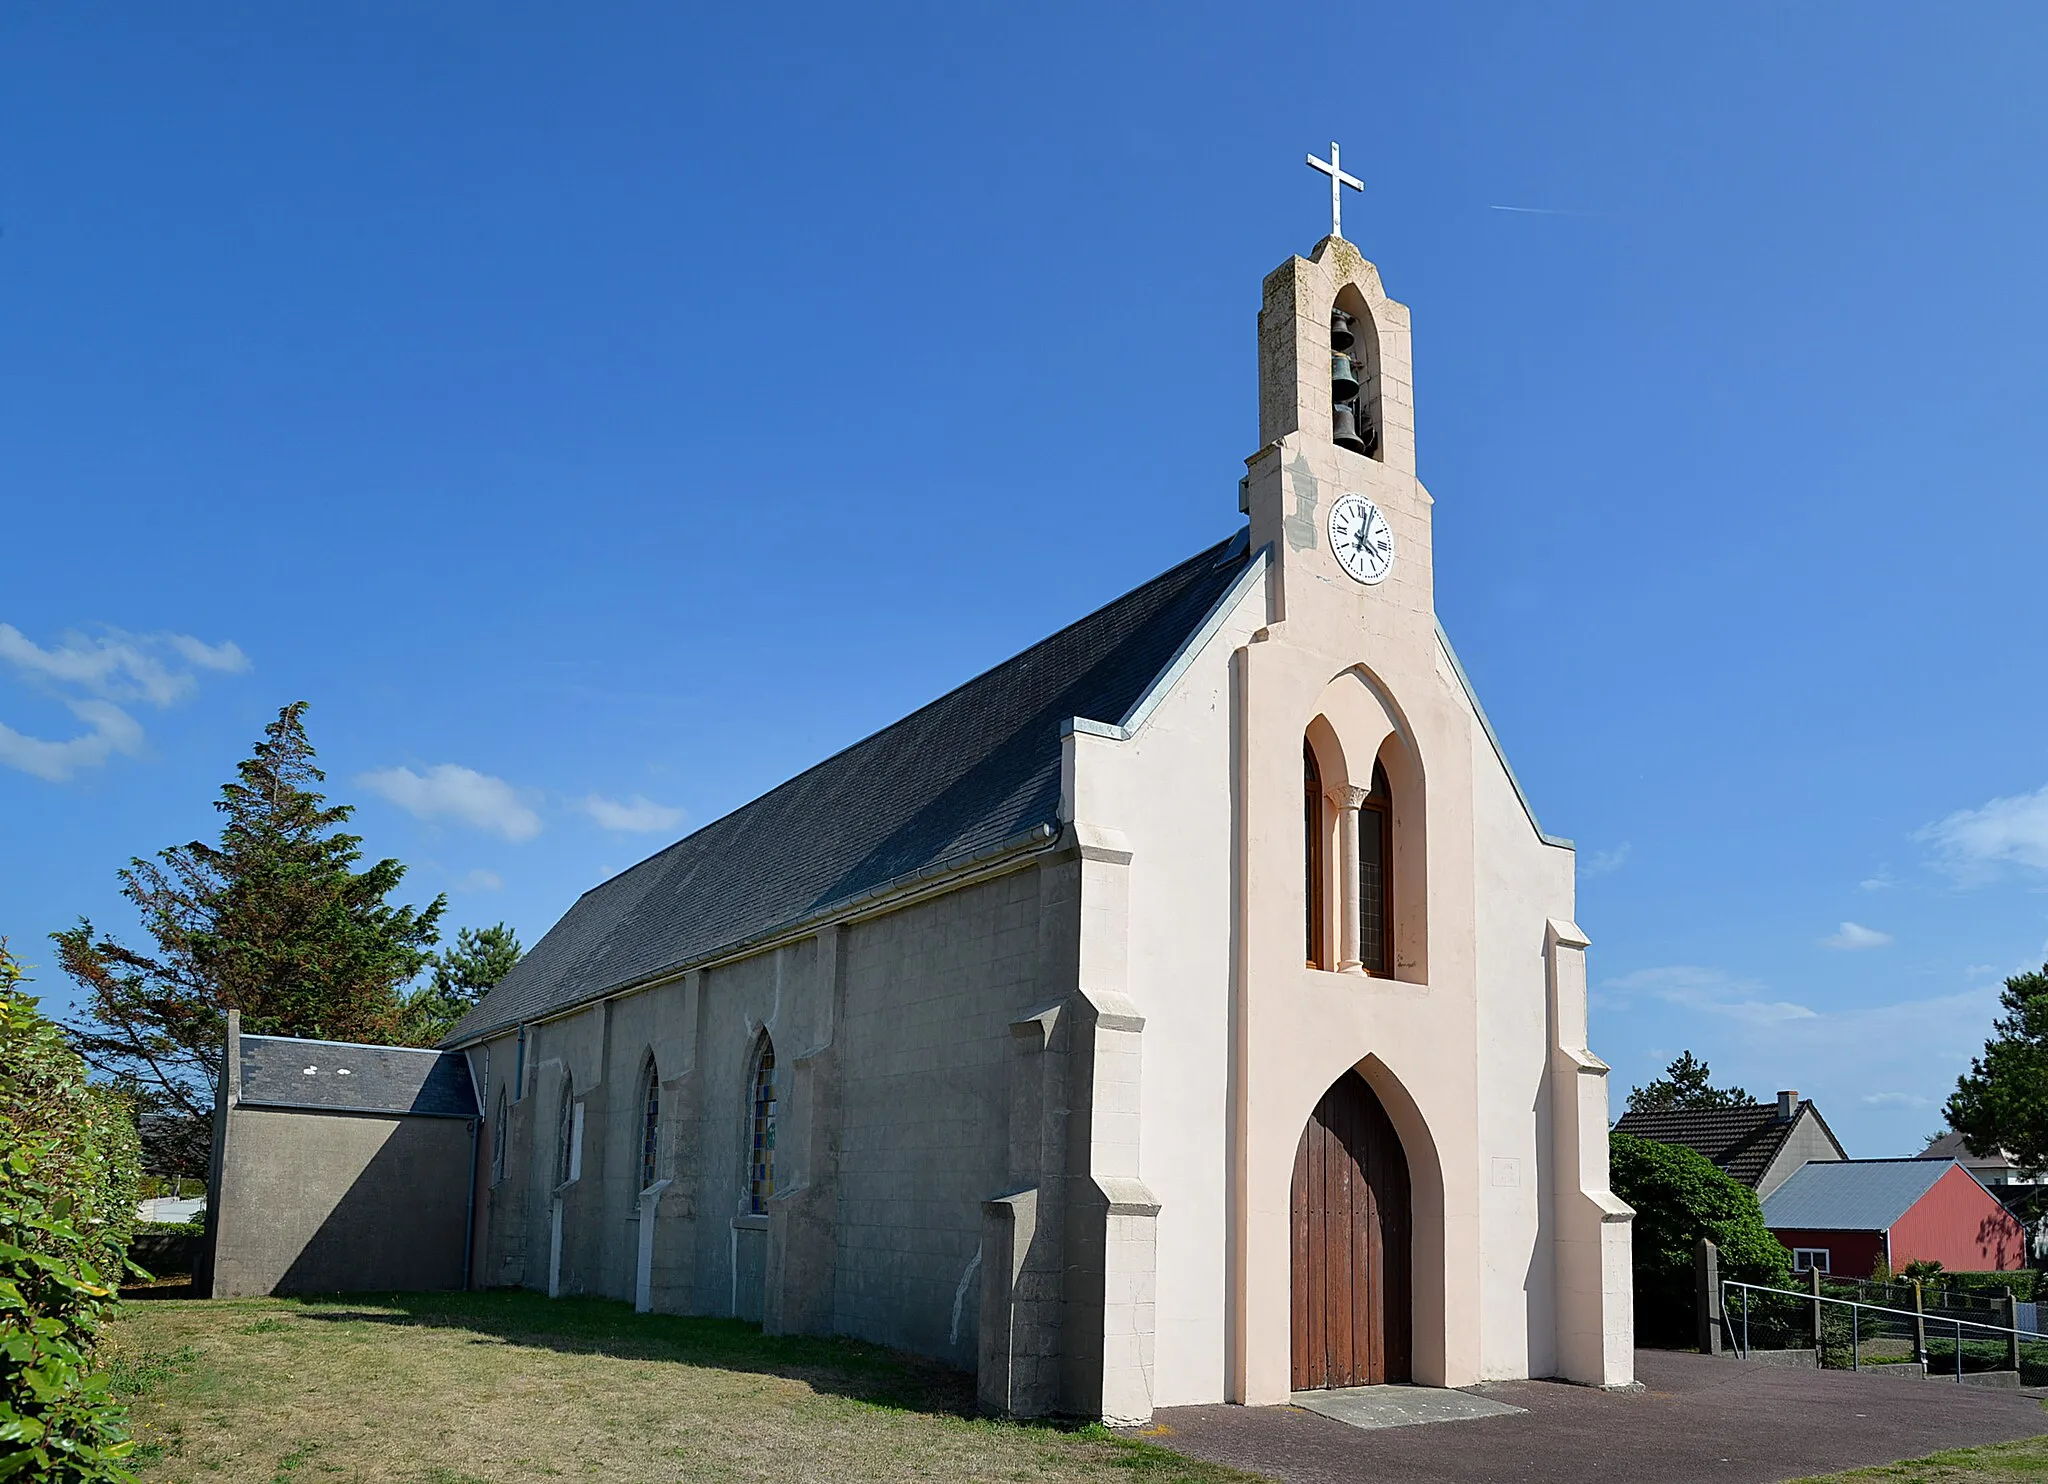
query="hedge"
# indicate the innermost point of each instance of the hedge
(1679, 1197)
(70, 1167)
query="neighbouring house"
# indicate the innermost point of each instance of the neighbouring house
(1845, 1216)
(1760, 1144)
(338, 1168)
(1994, 1169)
(1187, 1009)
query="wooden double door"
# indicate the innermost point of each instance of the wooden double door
(1352, 1225)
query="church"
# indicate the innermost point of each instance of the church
(1188, 1009)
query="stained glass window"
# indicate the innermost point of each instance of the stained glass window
(761, 1133)
(565, 1135)
(498, 1137)
(650, 1118)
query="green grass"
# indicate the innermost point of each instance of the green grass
(1996, 1463)
(493, 1387)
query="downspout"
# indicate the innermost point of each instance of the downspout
(469, 1211)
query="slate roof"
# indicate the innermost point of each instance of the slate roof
(1853, 1195)
(340, 1076)
(975, 769)
(1742, 1140)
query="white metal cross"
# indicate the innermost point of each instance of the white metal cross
(1338, 180)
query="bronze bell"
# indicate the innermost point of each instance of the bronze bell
(1343, 380)
(1344, 428)
(1340, 330)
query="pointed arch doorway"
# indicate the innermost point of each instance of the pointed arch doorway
(1352, 1219)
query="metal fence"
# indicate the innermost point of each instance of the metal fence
(1851, 1335)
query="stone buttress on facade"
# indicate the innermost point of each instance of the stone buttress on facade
(1005, 1036)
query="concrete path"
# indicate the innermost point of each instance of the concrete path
(1699, 1418)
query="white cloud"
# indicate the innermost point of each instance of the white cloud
(638, 815)
(94, 678)
(1913, 1049)
(1604, 862)
(480, 880)
(451, 791)
(1851, 936)
(1706, 991)
(113, 730)
(1896, 1100)
(1973, 843)
(1882, 881)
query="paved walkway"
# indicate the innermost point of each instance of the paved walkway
(1699, 1418)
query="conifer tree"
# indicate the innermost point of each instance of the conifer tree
(274, 921)
(463, 975)
(2001, 1103)
(1686, 1083)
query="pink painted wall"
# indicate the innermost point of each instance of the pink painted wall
(1959, 1224)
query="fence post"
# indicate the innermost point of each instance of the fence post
(1855, 1337)
(1814, 1275)
(1959, 1352)
(1745, 1321)
(2012, 1328)
(1706, 1272)
(1919, 1325)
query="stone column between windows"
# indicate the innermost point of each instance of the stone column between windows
(1349, 801)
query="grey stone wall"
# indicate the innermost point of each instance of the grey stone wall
(892, 1041)
(340, 1203)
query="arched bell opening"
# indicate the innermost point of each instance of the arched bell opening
(1355, 376)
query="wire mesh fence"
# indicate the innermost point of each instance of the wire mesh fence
(1852, 1334)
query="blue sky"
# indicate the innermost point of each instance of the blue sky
(600, 413)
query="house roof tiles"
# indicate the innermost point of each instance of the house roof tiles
(1742, 1140)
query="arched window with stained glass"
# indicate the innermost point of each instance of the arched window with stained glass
(761, 1129)
(650, 1123)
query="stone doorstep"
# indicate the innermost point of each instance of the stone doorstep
(1399, 1406)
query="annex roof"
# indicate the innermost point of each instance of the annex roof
(1856, 1195)
(1742, 1140)
(342, 1077)
(970, 772)
(1952, 1145)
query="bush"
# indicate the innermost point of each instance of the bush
(2024, 1283)
(70, 1165)
(1679, 1197)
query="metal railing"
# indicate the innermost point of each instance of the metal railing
(1873, 1334)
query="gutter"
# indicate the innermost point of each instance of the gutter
(469, 1210)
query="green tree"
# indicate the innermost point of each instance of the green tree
(274, 921)
(69, 1173)
(463, 975)
(1686, 1083)
(2002, 1101)
(1679, 1197)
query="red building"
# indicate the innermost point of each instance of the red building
(1843, 1216)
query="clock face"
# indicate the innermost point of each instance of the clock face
(1361, 539)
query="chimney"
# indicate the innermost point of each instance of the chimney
(1788, 1106)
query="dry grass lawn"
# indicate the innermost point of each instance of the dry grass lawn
(467, 1388)
(1999, 1463)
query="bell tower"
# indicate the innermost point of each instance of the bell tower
(1336, 417)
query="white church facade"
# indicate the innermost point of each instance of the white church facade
(1188, 1009)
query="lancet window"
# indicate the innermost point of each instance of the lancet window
(1315, 856)
(500, 1135)
(650, 1124)
(1376, 877)
(565, 1135)
(761, 1130)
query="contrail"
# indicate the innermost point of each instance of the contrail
(1537, 210)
